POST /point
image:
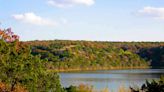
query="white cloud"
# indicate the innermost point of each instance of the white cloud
(32, 18)
(70, 3)
(154, 12)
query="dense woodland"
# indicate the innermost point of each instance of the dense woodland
(86, 55)
(29, 66)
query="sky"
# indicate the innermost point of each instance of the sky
(92, 20)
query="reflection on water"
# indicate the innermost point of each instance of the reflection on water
(111, 79)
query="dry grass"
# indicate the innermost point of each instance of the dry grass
(123, 89)
(6, 88)
(87, 88)
(105, 90)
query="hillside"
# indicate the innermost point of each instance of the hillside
(87, 55)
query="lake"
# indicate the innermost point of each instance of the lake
(111, 79)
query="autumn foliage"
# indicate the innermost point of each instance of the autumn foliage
(8, 36)
(5, 88)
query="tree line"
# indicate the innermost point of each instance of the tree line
(31, 66)
(66, 55)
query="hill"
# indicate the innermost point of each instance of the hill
(64, 55)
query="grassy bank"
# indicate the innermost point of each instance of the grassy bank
(95, 69)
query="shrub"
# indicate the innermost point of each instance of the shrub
(153, 86)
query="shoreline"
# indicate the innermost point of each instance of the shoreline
(98, 69)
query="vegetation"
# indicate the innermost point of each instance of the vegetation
(28, 68)
(154, 86)
(20, 70)
(82, 55)
(80, 88)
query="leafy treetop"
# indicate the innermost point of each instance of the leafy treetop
(8, 36)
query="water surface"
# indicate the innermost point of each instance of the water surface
(111, 79)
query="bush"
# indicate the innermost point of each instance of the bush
(154, 86)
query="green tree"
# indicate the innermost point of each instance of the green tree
(19, 67)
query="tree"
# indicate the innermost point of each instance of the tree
(8, 36)
(19, 67)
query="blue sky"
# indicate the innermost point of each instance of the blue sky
(100, 20)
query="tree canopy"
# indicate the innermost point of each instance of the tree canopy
(19, 68)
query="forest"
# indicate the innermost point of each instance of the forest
(32, 66)
(65, 55)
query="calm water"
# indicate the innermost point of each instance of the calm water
(111, 79)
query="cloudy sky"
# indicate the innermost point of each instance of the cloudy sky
(102, 20)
